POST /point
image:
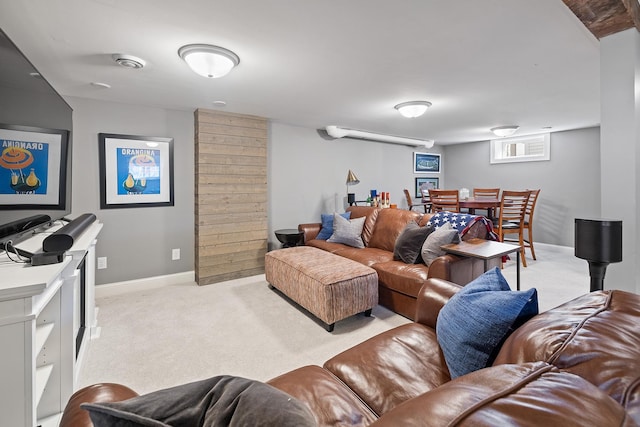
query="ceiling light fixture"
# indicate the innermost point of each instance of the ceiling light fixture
(207, 60)
(503, 131)
(128, 61)
(338, 132)
(413, 108)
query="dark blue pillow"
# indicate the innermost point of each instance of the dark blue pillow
(327, 225)
(474, 323)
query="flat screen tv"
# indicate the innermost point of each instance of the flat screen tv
(35, 148)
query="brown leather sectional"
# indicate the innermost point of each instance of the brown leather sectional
(399, 283)
(575, 365)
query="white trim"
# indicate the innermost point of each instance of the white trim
(120, 288)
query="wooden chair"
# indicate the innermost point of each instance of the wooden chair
(444, 200)
(489, 193)
(412, 205)
(513, 205)
(528, 221)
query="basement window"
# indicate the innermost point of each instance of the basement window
(530, 148)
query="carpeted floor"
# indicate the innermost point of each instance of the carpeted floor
(157, 338)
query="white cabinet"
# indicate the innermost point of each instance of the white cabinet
(40, 324)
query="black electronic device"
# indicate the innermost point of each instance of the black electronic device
(63, 239)
(599, 241)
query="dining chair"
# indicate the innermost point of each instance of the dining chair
(412, 205)
(444, 200)
(528, 221)
(513, 205)
(489, 193)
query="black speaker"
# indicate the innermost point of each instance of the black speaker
(351, 198)
(63, 239)
(599, 241)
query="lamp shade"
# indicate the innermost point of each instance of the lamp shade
(598, 240)
(209, 61)
(352, 179)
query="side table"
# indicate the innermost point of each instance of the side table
(289, 237)
(485, 250)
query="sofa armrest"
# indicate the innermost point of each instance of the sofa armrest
(310, 230)
(74, 416)
(433, 295)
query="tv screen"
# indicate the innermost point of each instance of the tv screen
(35, 147)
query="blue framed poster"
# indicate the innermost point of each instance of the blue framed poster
(135, 171)
(33, 167)
(426, 162)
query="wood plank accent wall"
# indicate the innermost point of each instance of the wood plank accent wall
(230, 196)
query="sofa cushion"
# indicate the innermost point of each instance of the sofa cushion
(327, 225)
(392, 367)
(474, 323)
(595, 336)
(222, 400)
(389, 225)
(370, 214)
(330, 400)
(348, 232)
(532, 394)
(443, 235)
(409, 243)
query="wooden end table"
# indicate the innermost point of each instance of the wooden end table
(485, 250)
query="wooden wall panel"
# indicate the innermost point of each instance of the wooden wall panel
(230, 196)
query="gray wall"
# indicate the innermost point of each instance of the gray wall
(136, 241)
(569, 182)
(306, 177)
(307, 174)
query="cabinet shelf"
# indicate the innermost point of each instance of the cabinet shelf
(42, 334)
(42, 378)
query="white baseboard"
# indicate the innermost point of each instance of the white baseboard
(120, 288)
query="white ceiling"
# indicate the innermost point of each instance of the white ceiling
(329, 62)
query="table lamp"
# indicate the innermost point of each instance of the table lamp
(599, 241)
(351, 180)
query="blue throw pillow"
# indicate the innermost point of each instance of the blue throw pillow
(327, 225)
(474, 323)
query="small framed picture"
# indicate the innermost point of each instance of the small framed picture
(426, 163)
(425, 183)
(135, 171)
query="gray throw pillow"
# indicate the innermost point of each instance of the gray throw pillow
(347, 232)
(444, 235)
(409, 243)
(219, 401)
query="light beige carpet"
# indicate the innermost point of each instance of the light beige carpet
(152, 339)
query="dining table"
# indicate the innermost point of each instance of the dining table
(473, 203)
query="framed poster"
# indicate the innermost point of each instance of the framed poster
(33, 167)
(425, 183)
(426, 162)
(135, 171)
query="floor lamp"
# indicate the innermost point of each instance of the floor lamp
(351, 180)
(599, 241)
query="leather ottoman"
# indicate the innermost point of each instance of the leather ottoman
(329, 286)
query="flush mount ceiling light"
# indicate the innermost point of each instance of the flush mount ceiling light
(128, 61)
(338, 132)
(209, 61)
(505, 130)
(413, 108)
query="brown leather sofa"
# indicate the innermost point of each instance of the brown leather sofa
(575, 365)
(398, 283)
